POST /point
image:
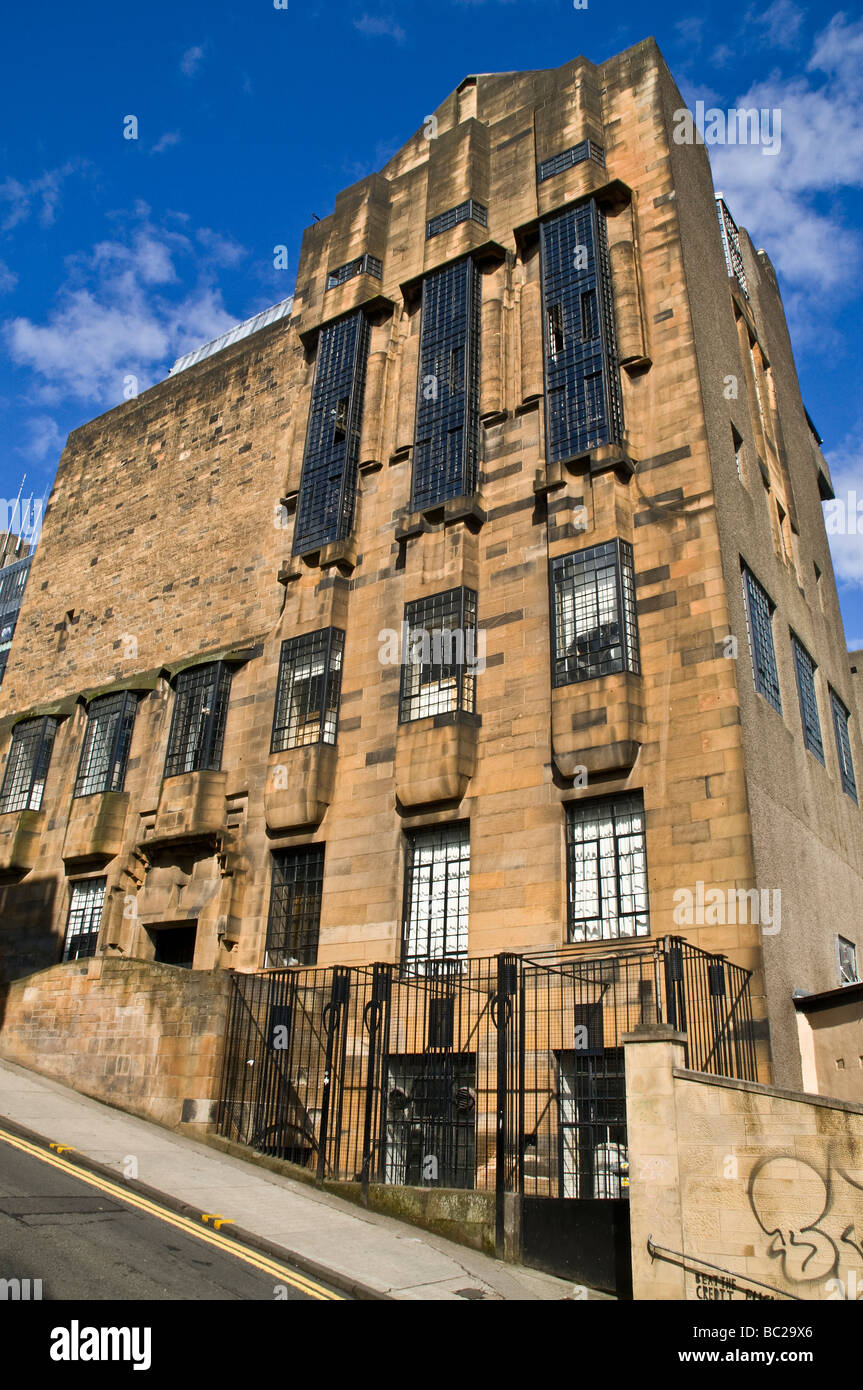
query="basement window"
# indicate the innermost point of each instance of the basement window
(198, 722)
(295, 907)
(85, 918)
(27, 765)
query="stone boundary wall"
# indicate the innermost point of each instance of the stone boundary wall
(738, 1191)
(146, 1038)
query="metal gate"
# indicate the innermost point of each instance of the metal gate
(502, 1073)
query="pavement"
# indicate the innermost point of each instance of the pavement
(363, 1253)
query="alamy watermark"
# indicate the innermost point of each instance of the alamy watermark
(419, 646)
(715, 907)
(737, 126)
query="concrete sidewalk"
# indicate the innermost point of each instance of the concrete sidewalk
(357, 1250)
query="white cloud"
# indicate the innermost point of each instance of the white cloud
(192, 60)
(8, 278)
(40, 196)
(379, 27)
(165, 142)
(788, 200)
(223, 250)
(44, 438)
(119, 314)
(779, 24)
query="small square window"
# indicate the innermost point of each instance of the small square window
(198, 722)
(595, 628)
(308, 691)
(439, 656)
(437, 882)
(85, 918)
(759, 622)
(27, 765)
(295, 907)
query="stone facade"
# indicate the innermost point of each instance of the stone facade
(738, 1192)
(168, 541)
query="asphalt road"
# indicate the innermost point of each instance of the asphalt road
(85, 1243)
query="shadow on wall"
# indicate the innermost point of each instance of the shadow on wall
(27, 941)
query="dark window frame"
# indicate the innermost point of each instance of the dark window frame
(294, 917)
(417, 927)
(567, 159)
(362, 265)
(456, 678)
(572, 667)
(804, 670)
(82, 907)
(122, 707)
(842, 733)
(468, 211)
(759, 609)
(26, 792)
(328, 482)
(446, 430)
(617, 809)
(583, 401)
(201, 752)
(325, 645)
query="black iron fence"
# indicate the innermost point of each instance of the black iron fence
(502, 1073)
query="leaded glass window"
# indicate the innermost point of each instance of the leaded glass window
(437, 881)
(325, 508)
(295, 906)
(595, 626)
(198, 723)
(307, 698)
(582, 389)
(107, 739)
(759, 621)
(607, 868)
(85, 918)
(805, 670)
(446, 446)
(843, 745)
(439, 656)
(27, 765)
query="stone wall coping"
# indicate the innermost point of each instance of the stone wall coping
(654, 1033)
(758, 1088)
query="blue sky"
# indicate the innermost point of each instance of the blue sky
(118, 255)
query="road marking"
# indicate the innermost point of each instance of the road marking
(183, 1223)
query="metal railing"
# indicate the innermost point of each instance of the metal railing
(501, 1073)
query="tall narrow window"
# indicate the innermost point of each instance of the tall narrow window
(437, 880)
(85, 917)
(583, 406)
(325, 509)
(13, 580)
(843, 745)
(198, 723)
(595, 627)
(310, 682)
(439, 658)
(731, 243)
(759, 622)
(607, 868)
(446, 444)
(805, 669)
(295, 906)
(27, 765)
(105, 754)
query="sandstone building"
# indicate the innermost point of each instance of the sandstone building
(476, 599)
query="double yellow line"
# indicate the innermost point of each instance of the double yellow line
(182, 1223)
